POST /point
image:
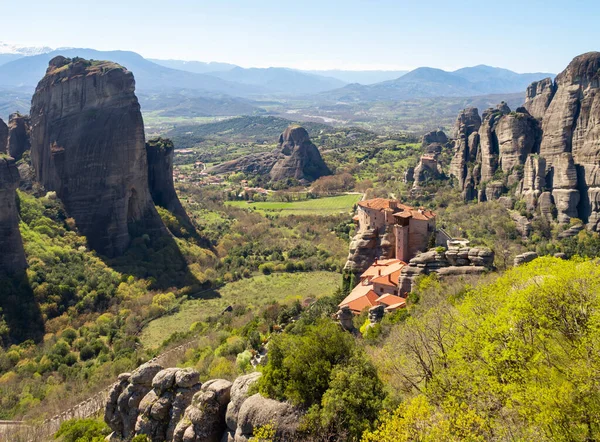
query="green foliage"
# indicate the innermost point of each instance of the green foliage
(300, 366)
(521, 349)
(82, 430)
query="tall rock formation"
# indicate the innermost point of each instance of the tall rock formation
(12, 257)
(87, 144)
(3, 137)
(19, 128)
(295, 157)
(539, 95)
(160, 176)
(298, 157)
(548, 150)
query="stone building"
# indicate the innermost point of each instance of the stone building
(403, 230)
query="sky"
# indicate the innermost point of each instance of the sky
(524, 36)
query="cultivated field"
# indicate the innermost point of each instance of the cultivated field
(253, 293)
(322, 206)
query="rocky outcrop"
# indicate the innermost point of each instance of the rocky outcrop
(12, 257)
(547, 152)
(125, 395)
(435, 136)
(87, 144)
(466, 148)
(298, 157)
(524, 258)
(295, 158)
(454, 261)
(365, 247)
(254, 164)
(19, 129)
(427, 169)
(3, 137)
(539, 95)
(160, 153)
(204, 419)
(172, 405)
(163, 407)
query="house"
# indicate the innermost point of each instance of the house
(378, 286)
(407, 229)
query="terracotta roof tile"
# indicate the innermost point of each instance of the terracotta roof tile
(368, 300)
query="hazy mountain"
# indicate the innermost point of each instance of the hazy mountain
(10, 52)
(498, 79)
(198, 67)
(282, 80)
(9, 48)
(361, 77)
(27, 71)
(431, 82)
(180, 104)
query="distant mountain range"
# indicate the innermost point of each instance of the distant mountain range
(193, 88)
(430, 82)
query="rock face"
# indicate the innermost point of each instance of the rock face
(19, 129)
(162, 408)
(172, 405)
(539, 96)
(125, 395)
(427, 169)
(298, 157)
(87, 144)
(160, 153)
(364, 248)
(204, 419)
(12, 257)
(547, 152)
(3, 137)
(452, 262)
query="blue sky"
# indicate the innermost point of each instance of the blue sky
(524, 36)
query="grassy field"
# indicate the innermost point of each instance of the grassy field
(254, 293)
(322, 206)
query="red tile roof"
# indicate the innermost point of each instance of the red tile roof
(403, 211)
(390, 280)
(389, 300)
(368, 300)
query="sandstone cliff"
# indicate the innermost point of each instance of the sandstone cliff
(12, 257)
(295, 157)
(546, 153)
(160, 176)
(19, 127)
(87, 144)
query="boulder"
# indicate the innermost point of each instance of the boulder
(376, 314)
(525, 258)
(204, 418)
(345, 318)
(257, 411)
(238, 394)
(87, 145)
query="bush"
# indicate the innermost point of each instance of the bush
(82, 430)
